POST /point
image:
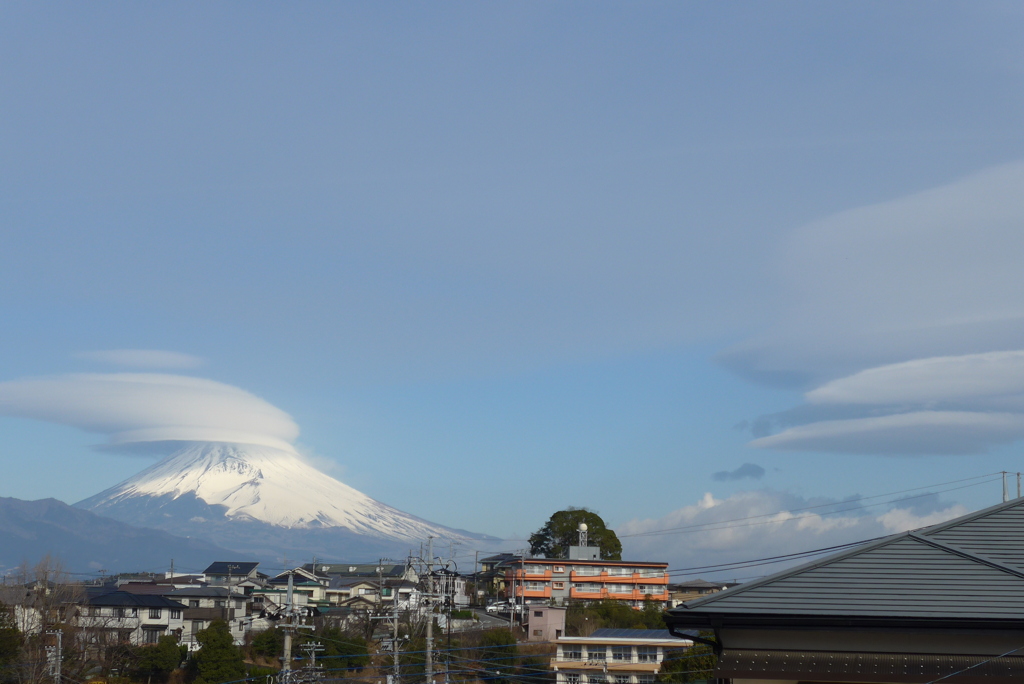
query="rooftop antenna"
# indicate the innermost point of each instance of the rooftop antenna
(1006, 489)
(583, 534)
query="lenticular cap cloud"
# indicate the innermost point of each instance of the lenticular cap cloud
(149, 407)
(942, 378)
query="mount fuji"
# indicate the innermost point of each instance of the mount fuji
(267, 502)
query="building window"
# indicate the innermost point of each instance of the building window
(197, 626)
(646, 654)
(386, 591)
(588, 570)
(121, 612)
(619, 572)
(151, 636)
(218, 604)
(561, 568)
(538, 613)
(645, 679)
(175, 614)
(621, 679)
(558, 585)
(538, 632)
(588, 587)
(620, 588)
(572, 678)
(596, 653)
(574, 652)
(156, 613)
(622, 654)
(193, 603)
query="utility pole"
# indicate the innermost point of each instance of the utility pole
(286, 666)
(429, 665)
(1006, 491)
(55, 654)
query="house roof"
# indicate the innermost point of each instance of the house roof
(200, 592)
(240, 568)
(123, 598)
(357, 569)
(967, 569)
(701, 584)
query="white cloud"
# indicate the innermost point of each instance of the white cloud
(917, 432)
(133, 408)
(944, 378)
(903, 323)
(780, 528)
(143, 358)
(936, 273)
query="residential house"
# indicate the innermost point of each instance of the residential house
(944, 603)
(235, 573)
(614, 656)
(203, 605)
(109, 617)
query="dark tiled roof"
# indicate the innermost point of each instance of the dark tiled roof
(123, 598)
(200, 592)
(240, 568)
(971, 568)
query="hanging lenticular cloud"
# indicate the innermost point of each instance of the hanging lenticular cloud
(903, 324)
(133, 408)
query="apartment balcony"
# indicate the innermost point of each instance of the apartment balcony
(533, 593)
(634, 578)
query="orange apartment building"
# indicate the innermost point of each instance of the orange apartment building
(559, 580)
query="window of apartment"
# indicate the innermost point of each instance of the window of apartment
(620, 572)
(121, 612)
(572, 652)
(623, 654)
(535, 586)
(572, 678)
(156, 613)
(538, 613)
(589, 570)
(193, 603)
(538, 632)
(559, 568)
(620, 588)
(558, 585)
(93, 611)
(645, 588)
(651, 572)
(135, 612)
(151, 636)
(175, 614)
(646, 654)
(595, 653)
(219, 604)
(621, 679)
(386, 591)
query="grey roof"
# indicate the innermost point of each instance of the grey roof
(702, 584)
(357, 569)
(199, 592)
(609, 633)
(237, 568)
(123, 598)
(971, 568)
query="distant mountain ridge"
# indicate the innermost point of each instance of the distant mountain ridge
(85, 542)
(266, 502)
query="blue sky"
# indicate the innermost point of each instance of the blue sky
(494, 259)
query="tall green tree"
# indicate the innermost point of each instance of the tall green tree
(159, 660)
(218, 659)
(562, 531)
(10, 640)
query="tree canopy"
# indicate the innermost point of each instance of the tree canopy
(218, 659)
(562, 531)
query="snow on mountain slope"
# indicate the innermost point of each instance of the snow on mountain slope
(267, 485)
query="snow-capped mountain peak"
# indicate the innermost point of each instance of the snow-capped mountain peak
(262, 484)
